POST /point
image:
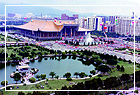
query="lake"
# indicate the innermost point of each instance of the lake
(60, 67)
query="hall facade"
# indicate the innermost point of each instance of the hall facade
(49, 29)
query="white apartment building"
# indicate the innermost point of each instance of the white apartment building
(29, 15)
(126, 26)
(98, 22)
(90, 23)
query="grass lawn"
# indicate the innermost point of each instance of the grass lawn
(52, 85)
(129, 69)
(13, 92)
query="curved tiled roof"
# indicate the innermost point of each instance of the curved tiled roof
(42, 25)
(33, 25)
(64, 22)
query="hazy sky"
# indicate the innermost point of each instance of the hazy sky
(111, 10)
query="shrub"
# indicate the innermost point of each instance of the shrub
(69, 79)
(45, 58)
(46, 79)
(69, 51)
(21, 93)
(63, 53)
(100, 75)
(56, 77)
(90, 76)
(9, 47)
(24, 84)
(39, 79)
(3, 82)
(74, 53)
(43, 76)
(136, 91)
(32, 80)
(28, 47)
(92, 72)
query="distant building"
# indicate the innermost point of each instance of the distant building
(104, 18)
(29, 15)
(71, 18)
(98, 22)
(82, 22)
(75, 16)
(11, 14)
(126, 26)
(92, 23)
(66, 17)
(111, 28)
(112, 19)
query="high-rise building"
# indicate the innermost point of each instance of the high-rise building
(75, 16)
(82, 22)
(98, 22)
(91, 22)
(125, 25)
(112, 19)
(104, 18)
(111, 28)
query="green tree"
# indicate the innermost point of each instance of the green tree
(103, 68)
(32, 80)
(38, 76)
(43, 76)
(82, 74)
(98, 61)
(118, 67)
(3, 82)
(56, 77)
(125, 77)
(52, 74)
(90, 76)
(17, 77)
(76, 74)
(122, 69)
(111, 61)
(95, 56)
(21, 93)
(92, 72)
(67, 75)
(74, 53)
(63, 53)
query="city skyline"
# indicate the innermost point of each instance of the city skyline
(79, 2)
(53, 11)
(106, 9)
